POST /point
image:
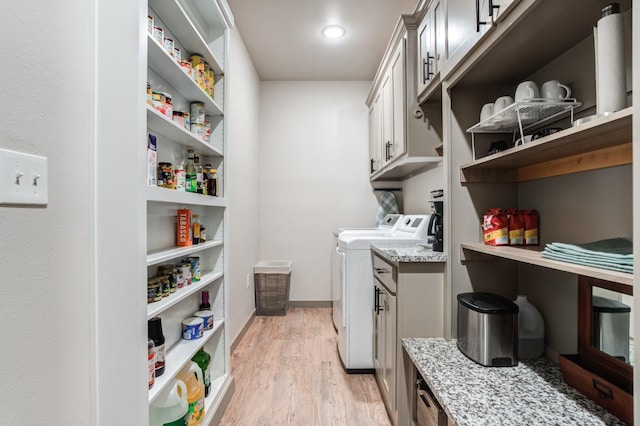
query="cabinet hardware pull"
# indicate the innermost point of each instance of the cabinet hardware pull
(429, 72)
(478, 21)
(425, 72)
(372, 170)
(381, 271)
(604, 391)
(492, 7)
(376, 300)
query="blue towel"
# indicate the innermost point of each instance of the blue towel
(615, 254)
(387, 205)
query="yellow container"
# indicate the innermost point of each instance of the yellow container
(191, 375)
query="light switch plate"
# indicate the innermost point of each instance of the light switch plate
(23, 179)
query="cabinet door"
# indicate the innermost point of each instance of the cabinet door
(425, 51)
(378, 334)
(375, 135)
(390, 347)
(387, 117)
(467, 22)
(398, 143)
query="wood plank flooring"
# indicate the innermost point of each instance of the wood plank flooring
(288, 372)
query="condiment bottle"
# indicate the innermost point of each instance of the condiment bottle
(201, 187)
(195, 219)
(151, 348)
(205, 300)
(191, 179)
(203, 234)
(212, 182)
(180, 179)
(203, 359)
(154, 329)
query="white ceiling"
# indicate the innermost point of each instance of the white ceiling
(284, 41)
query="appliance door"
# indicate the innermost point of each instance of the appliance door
(337, 280)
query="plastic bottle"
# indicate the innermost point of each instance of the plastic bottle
(191, 175)
(170, 408)
(195, 221)
(151, 349)
(192, 377)
(181, 178)
(212, 182)
(205, 301)
(203, 359)
(530, 329)
(154, 329)
(201, 186)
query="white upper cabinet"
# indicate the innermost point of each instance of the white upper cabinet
(431, 45)
(375, 135)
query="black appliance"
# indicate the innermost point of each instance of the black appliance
(436, 227)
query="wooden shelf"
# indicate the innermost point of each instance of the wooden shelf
(160, 256)
(166, 195)
(404, 167)
(532, 256)
(608, 139)
(165, 66)
(175, 17)
(179, 355)
(159, 124)
(156, 308)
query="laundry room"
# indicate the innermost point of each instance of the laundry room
(368, 212)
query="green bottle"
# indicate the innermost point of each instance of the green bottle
(203, 359)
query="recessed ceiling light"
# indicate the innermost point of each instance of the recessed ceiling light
(333, 31)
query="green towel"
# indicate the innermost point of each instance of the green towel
(615, 254)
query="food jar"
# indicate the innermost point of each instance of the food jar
(166, 287)
(177, 54)
(169, 45)
(195, 267)
(192, 328)
(158, 34)
(171, 273)
(197, 113)
(165, 175)
(154, 289)
(150, 24)
(185, 267)
(168, 105)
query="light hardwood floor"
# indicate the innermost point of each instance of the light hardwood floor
(288, 372)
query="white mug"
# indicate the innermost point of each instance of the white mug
(502, 102)
(527, 90)
(554, 90)
(486, 111)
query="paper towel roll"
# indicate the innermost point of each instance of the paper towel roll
(611, 87)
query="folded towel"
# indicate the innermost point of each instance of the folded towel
(615, 254)
(387, 205)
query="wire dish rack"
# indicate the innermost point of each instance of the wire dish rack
(520, 116)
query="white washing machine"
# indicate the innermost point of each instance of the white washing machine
(353, 306)
(386, 228)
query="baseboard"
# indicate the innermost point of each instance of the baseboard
(240, 335)
(310, 303)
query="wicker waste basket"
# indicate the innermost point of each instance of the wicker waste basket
(272, 281)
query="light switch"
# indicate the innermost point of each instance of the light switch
(23, 179)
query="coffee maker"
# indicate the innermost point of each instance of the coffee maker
(436, 227)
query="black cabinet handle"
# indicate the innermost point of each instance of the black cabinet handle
(387, 151)
(492, 7)
(376, 301)
(478, 21)
(425, 70)
(372, 170)
(604, 391)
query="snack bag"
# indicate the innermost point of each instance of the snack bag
(531, 227)
(495, 228)
(516, 227)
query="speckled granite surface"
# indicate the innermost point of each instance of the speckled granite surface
(532, 393)
(407, 253)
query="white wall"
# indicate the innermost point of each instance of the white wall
(44, 260)
(313, 175)
(242, 182)
(416, 191)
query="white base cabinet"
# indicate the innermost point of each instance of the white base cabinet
(409, 302)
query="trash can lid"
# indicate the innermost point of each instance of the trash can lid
(272, 267)
(604, 304)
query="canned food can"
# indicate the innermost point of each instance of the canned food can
(177, 54)
(207, 316)
(198, 130)
(185, 267)
(169, 45)
(195, 267)
(197, 113)
(158, 34)
(192, 328)
(150, 24)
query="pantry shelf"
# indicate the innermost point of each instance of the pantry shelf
(183, 28)
(156, 308)
(178, 356)
(172, 130)
(532, 256)
(159, 256)
(165, 66)
(166, 195)
(602, 142)
(218, 388)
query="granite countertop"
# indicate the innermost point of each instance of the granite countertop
(531, 393)
(407, 252)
